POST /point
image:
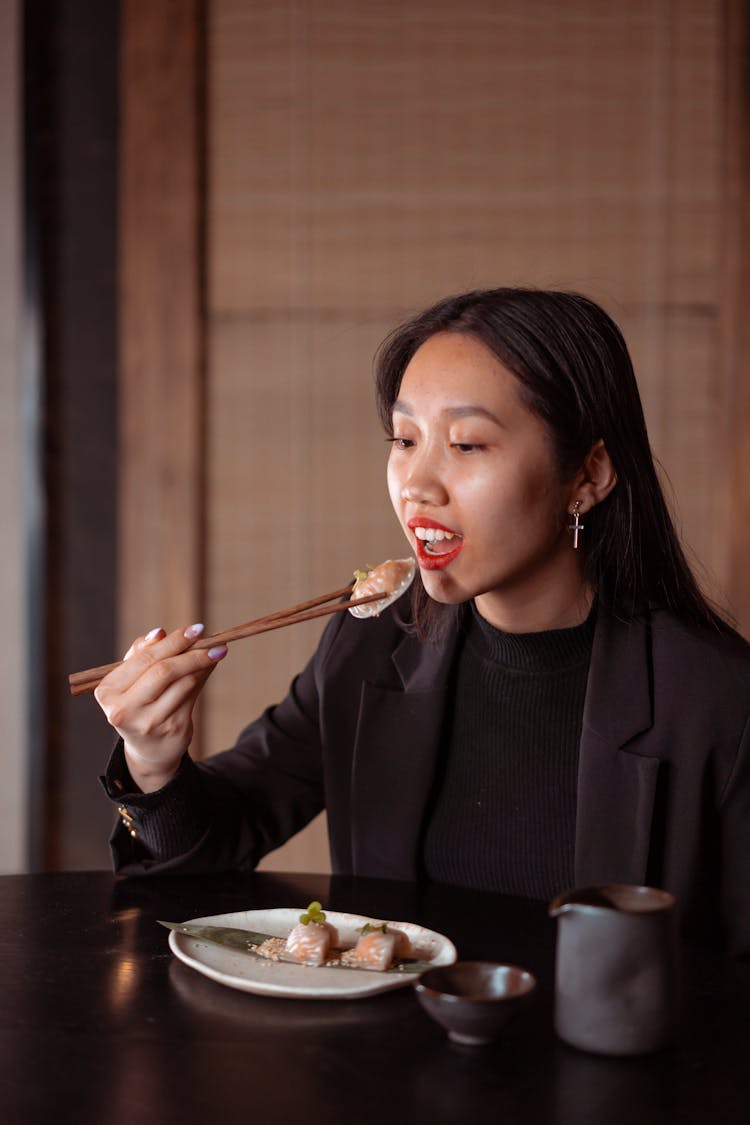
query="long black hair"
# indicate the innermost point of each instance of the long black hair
(575, 373)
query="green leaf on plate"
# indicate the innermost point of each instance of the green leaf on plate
(228, 936)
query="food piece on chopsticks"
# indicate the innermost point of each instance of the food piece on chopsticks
(311, 939)
(391, 578)
(377, 948)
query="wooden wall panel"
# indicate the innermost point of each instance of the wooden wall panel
(366, 159)
(444, 135)
(292, 482)
(161, 315)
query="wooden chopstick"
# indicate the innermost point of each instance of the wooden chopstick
(88, 679)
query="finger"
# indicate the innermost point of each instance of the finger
(147, 651)
(140, 642)
(160, 677)
(169, 644)
(120, 699)
(163, 713)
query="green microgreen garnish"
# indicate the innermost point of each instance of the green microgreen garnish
(314, 913)
(368, 929)
(360, 575)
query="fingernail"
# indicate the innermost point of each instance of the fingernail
(217, 652)
(153, 634)
(193, 631)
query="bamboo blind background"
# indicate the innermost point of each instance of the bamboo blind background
(365, 159)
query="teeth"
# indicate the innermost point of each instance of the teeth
(432, 533)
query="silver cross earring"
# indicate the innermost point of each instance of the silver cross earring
(577, 526)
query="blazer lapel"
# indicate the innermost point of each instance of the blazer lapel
(616, 787)
(396, 746)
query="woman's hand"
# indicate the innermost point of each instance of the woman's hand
(149, 700)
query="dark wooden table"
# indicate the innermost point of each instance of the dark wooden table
(100, 1024)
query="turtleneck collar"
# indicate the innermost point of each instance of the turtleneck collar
(547, 651)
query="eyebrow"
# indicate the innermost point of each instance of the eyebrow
(467, 410)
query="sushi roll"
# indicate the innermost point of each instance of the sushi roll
(378, 947)
(311, 939)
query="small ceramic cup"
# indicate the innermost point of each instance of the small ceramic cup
(474, 1000)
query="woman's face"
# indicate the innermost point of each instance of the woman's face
(473, 480)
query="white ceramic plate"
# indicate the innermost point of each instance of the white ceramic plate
(278, 978)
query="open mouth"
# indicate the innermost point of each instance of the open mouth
(436, 546)
(435, 541)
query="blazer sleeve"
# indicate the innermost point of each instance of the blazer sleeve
(227, 812)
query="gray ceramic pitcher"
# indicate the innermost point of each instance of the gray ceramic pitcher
(616, 968)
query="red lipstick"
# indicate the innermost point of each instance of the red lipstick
(422, 521)
(429, 560)
(437, 562)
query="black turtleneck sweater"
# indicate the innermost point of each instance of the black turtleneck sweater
(504, 810)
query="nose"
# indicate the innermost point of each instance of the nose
(422, 483)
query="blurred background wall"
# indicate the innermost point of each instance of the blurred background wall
(274, 185)
(13, 609)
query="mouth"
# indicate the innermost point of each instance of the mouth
(437, 546)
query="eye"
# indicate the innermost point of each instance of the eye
(400, 442)
(468, 446)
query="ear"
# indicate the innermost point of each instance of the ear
(594, 480)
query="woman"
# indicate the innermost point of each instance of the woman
(554, 703)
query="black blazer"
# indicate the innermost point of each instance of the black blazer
(663, 778)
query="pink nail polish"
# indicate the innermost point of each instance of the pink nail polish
(153, 634)
(193, 631)
(217, 653)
